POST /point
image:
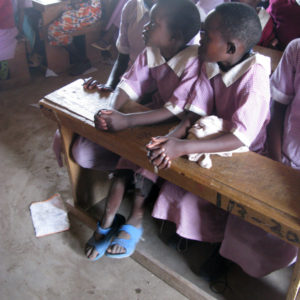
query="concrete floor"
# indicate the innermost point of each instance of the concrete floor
(55, 267)
(52, 267)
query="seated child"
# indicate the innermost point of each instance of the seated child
(167, 69)
(268, 38)
(240, 80)
(78, 14)
(255, 250)
(130, 43)
(284, 139)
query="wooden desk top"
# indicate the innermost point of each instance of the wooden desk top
(47, 2)
(261, 191)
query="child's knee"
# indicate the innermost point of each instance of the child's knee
(83, 154)
(143, 185)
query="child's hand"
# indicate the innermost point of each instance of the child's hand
(110, 120)
(162, 150)
(90, 84)
(104, 88)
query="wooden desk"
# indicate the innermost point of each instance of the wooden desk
(255, 188)
(275, 55)
(50, 9)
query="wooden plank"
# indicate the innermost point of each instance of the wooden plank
(275, 55)
(293, 292)
(18, 68)
(50, 10)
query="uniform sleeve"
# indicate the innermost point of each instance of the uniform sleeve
(178, 101)
(201, 98)
(138, 80)
(253, 106)
(122, 43)
(282, 80)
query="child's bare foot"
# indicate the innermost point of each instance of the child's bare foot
(101, 239)
(118, 249)
(123, 245)
(90, 250)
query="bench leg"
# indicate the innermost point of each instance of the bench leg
(80, 178)
(293, 292)
(57, 58)
(74, 169)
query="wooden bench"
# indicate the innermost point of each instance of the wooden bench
(275, 55)
(58, 57)
(18, 68)
(255, 188)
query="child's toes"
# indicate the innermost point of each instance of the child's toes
(116, 249)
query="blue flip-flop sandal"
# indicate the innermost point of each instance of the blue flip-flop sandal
(108, 233)
(130, 244)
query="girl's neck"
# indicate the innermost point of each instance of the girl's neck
(168, 53)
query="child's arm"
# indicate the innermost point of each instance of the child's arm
(275, 130)
(167, 148)
(117, 71)
(113, 120)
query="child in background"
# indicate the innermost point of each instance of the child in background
(284, 138)
(167, 69)
(78, 15)
(240, 80)
(285, 14)
(268, 38)
(111, 29)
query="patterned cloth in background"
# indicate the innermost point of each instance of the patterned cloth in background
(87, 13)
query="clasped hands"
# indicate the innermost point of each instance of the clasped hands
(161, 150)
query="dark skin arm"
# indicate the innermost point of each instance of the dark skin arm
(275, 130)
(164, 149)
(117, 71)
(112, 120)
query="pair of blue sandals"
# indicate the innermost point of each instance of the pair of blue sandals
(109, 233)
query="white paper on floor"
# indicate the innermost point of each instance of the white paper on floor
(49, 216)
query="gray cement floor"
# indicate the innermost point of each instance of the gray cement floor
(52, 267)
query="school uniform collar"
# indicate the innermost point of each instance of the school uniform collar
(264, 17)
(298, 2)
(177, 63)
(231, 76)
(141, 10)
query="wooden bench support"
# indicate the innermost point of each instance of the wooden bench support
(293, 292)
(18, 68)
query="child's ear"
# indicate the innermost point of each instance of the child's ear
(231, 48)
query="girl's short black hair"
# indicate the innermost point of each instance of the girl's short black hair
(182, 16)
(239, 21)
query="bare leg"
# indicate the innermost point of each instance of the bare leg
(135, 219)
(112, 205)
(142, 189)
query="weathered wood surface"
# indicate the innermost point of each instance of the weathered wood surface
(259, 190)
(275, 55)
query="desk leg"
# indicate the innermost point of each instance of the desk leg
(74, 169)
(293, 292)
